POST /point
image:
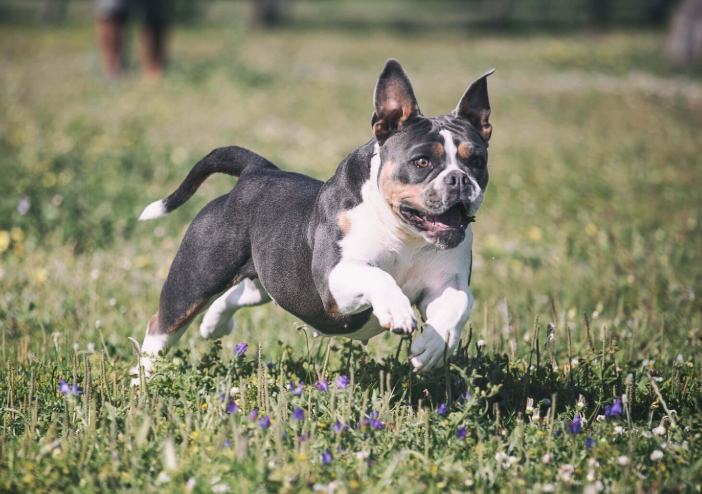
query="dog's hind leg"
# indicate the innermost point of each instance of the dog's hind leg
(218, 320)
(159, 339)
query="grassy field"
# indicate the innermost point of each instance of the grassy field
(591, 222)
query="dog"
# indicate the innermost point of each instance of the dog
(351, 256)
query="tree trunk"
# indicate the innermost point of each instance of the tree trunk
(52, 11)
(268, 12)
(684, 44)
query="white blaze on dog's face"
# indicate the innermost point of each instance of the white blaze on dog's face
(432, 172)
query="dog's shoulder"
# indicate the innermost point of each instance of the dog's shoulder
(342, 192)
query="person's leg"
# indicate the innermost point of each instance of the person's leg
(111, 31)
(152, 42)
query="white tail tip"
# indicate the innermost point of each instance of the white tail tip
(153, 211)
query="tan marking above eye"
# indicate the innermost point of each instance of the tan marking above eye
(465, 150)
(438, 149)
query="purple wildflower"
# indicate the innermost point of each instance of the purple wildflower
(468, 396)
(442, 409)
(298, 414)
(227, 444)
(231, 406)
(614, 409)
(304, 437)
(322, 385)
(296, 391)
(461, 433)
(65, 389)
(373, 421)
(590, 443)
(576, 426)
(342, 382)
(253, 414)
(339, 427)
(327, 457)
(265, 422)
(240, 349)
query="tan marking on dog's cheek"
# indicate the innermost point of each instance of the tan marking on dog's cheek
(465, 150)
(342, 219)
(438, 149)
(396, 193)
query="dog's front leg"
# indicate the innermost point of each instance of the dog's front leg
(445, 311)
(355, 287)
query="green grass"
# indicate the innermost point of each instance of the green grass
(593, 208)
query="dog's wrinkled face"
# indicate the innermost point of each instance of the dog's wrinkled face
(433, 172)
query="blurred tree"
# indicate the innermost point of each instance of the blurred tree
(52, 11)
(601, 13)
(684, 43)
(268, 12)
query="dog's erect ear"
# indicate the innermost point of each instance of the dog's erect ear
(475, 106)
(394, 101)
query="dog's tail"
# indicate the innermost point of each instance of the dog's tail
(231, 160)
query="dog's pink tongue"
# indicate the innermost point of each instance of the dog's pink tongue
(450, 219)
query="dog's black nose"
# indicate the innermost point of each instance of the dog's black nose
(456, 179)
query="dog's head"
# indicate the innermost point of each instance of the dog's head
(433, 172)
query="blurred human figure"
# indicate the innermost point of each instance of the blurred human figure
(111, 31)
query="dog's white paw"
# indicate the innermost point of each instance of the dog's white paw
(427, 351)
(214, 329)
(148, 366)
(394, 312)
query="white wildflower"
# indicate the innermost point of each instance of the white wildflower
(505, 461)
(220, 488)
(482, 343)
(658, 431)
(163, 478)
(618, 429)
(657, 455)
(548, 488)
(581, 402)
(565, 472)
(547, 458)
(600, 418)
(623, 460)
(362, 455)
(530, 405)
(190, 484)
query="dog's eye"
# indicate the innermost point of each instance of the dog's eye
(422, 162)
(477, 163)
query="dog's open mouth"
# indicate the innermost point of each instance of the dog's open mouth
(454, 218)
